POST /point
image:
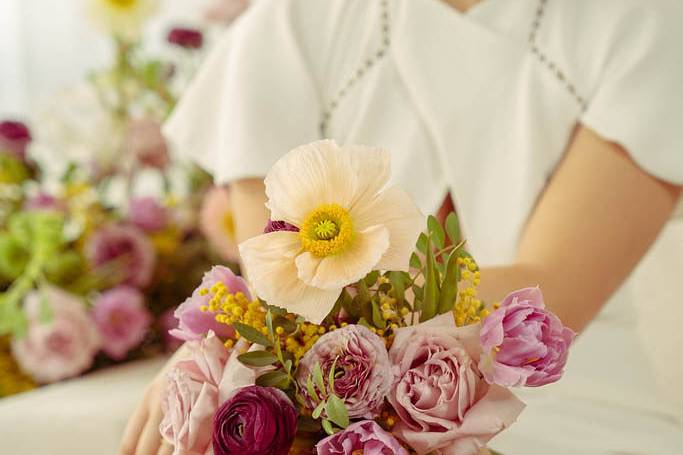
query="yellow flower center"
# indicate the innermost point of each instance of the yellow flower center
(123, 4)
(327, 230)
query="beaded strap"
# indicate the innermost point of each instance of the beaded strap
(362, 70)
(547, 62)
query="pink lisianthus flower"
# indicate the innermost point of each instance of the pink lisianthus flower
(192, 397)
(217, 223)
(362, 356)
(524, 344)
(365, 437)
(443, 403)
(122, 319)
(193, 323)
(61, 347)
(147, 214)
(128, 244)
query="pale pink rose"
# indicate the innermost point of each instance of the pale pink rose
(524, 344)
(362, 355)
(443, 403)
(217, 223)
(191, 397)
(123, 320)
(61, 347)
(145, 142)
(125, 243)
(193, 323)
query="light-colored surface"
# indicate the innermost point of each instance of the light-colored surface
(83, 416)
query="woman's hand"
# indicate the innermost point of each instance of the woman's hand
(141, 436)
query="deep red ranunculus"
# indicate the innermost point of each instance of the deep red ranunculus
(14, 137)
(186, 37)
(255, 421)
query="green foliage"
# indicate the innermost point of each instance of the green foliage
(252, 335)
(257, 358)
(276, 378)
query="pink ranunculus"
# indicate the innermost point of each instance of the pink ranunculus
(61, 345)
(365, 437)
(193, 323)
(147, 214)
(362, 357)
(122, 319)
(217, 223)
(443, 403)
(188, 38)
(127, 244)
(14, 138)
(191, 397)
(523, 343)
(145, 142)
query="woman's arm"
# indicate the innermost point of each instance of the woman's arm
(598, 216)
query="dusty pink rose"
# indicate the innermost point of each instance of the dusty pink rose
(62, 346)
(188, 38)
(362, 358)
(217, 223)
(364, 437)
(122, 319)
(193, 323)
(14, 138)
(147, 214)
(191, 397)
(145, 142)
(443, 403)
(127, 244)
(523, 343)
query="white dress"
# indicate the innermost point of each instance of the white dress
(482, 104)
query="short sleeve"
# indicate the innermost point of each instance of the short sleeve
(252, 100)
(638, 101)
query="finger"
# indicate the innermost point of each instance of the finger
(133, 428)
(150, 439)
(165, 449)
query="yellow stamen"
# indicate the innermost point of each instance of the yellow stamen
(326, 231)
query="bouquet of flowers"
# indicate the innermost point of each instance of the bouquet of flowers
(352, 340)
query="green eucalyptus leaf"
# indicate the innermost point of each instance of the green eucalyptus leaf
(377, 319)
(422, 242)
(449, 286)
(257, 358)
(317, 412)
(371, 278)
(415, 261)
(431, 288)
(327, 426)
(310, 388)
(318, 378)
(349, 304)
(252, 335)
(278, 379)
(453, 228)
(438, 235)
(336, 411)
(398, 285)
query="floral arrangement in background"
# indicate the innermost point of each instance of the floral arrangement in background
(351, 339)
(90, 270)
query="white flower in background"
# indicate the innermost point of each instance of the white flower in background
(76, 127)
(339, 224)
(122, 18)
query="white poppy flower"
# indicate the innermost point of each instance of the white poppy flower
(348, 225)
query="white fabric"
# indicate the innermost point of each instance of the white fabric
(463, 104)
(84, 416)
